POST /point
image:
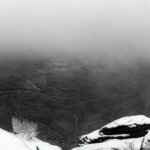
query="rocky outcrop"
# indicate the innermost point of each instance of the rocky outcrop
(123, 128)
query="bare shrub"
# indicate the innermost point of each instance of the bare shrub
(25, 128)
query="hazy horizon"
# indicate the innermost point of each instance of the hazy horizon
(110, 29)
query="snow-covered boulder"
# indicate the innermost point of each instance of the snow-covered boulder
(9, 141)
(123, 128)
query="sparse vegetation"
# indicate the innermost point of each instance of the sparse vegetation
(25, 128)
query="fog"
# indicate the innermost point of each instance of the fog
(115, 28)
(72, 66)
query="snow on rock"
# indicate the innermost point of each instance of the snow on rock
(114, 144)
(36, 144)
(131, 121)
(123, 128)
(146, 142)
(9, 141)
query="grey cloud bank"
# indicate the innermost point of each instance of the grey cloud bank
(118, 28)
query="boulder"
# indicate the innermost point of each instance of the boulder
(123, 128)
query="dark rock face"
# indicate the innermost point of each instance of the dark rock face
(124, 128)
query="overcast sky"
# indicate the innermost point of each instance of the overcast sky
(109, 26)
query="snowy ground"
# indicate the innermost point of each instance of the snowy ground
(9, 141)
(113, 144)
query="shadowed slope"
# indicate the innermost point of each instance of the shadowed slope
(68, 97)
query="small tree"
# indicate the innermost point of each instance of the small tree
(25, 128)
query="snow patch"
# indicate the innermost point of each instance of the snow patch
(10, 141)
(129, 121)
